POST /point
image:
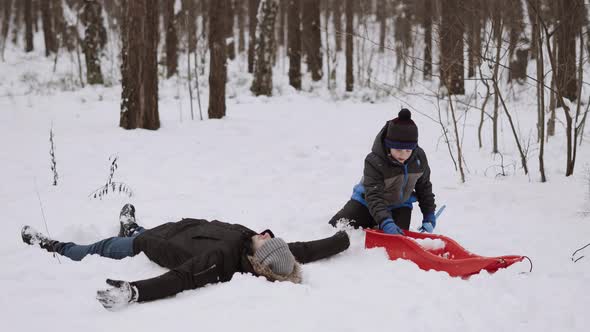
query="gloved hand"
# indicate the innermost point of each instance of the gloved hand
(389, 227)
(428, 223)
(117, 297)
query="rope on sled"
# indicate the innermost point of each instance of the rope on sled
(574, 259)
(530, 261)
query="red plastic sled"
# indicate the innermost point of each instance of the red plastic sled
(453, 258)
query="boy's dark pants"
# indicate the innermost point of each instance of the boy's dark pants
(358, 215)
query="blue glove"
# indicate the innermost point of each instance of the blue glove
(428, 223)
(389, 227)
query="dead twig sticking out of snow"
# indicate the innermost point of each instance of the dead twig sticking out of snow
(111, 186)
(502, 166)
(574, 259)
(53, 163)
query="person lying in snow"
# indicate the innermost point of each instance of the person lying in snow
(197, 252)
(396, 175)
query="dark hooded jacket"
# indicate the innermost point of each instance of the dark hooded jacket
(199, 252)
(388, 184)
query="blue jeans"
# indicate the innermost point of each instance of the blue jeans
(113, 247)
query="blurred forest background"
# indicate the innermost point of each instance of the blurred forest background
(470, 54)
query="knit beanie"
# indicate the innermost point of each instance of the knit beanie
(402, 132)
(275, 254)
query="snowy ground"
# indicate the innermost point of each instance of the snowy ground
(288, 163)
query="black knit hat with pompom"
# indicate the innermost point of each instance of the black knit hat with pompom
(402, 132)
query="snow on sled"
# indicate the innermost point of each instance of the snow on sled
(436, 252)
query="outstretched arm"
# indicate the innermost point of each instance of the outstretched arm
(306, 252)
(196, 272)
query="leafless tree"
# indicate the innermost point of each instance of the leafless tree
(570, 21)
(312, 39)
(171, 38)
(253, 21)
(240, 9)
(265, 48)
(294, 43)
(538, 49)
(139, 68)
(28, 8)
(6, 16)
(427, 25)
(229, 30)
(94, 40)
(382, 16)
(217, 63)
(451, 45)
(337, 18)
(349, 51)
(48, 30)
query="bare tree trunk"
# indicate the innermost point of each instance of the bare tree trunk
(252, 12)
(205, 8)
(17, 20)
(265, 48)
(382, 19)
(239, 5)
(540, 94)
(229, 30)
(520, 149)
(534, 27)
(452, 29)
(337, 6)
(217, 68)
(171, 39)
(576, 127)
(282, 20)
(560, 93)
(35, 13)
(497, 31)
(70, 41)
(190, 14)
(427, 24)
(473, 37)
(92, 19)
(552, 95)
(204, 36)
(294, 40)
(48, 30)
(349, 47)
(312, 39)
(483, 107)
(6, 23)
(567, 30)
(139, 68)
(518, 43)
(457, 140)
(28, 25)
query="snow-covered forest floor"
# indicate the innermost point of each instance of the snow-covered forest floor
(287, 163)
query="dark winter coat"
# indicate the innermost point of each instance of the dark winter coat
(198, 252)
(387, 184)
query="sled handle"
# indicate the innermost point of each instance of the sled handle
(440, 211)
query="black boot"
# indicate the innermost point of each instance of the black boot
(306, 252)
(127, 221)
(32, 236)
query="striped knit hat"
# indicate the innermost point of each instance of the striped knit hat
(402, 132)
(275, 254)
